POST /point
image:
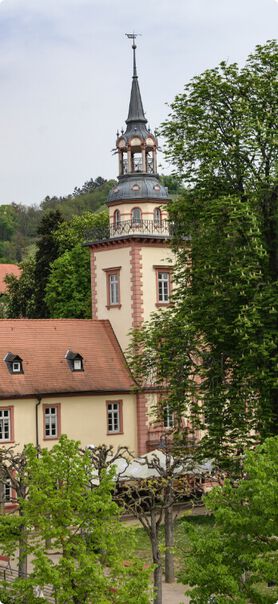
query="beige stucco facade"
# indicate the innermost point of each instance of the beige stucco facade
(137, 264)
(147, 209)
(120, 316)
(153, 257)
(82, 418)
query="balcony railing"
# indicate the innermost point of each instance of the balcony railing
(150, 228)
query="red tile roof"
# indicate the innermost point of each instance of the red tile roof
(42, 345)
(7, 269)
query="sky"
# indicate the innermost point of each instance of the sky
(65, 77)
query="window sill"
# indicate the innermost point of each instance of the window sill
(162, 304)
(114, 433)
(7, 442)
(109, 306)
(51, 437)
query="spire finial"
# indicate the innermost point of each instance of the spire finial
(133, 37)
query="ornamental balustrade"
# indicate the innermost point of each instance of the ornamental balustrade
(162, 228)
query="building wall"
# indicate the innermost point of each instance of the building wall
(83, 418)
(151, 257)
(120, 318)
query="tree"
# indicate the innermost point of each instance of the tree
(19, 298)
(47, 252)
(148, 487)
(68, 289)
(13, 530)
(222, 138)
(237, 559)
(74, 231)
(64, 505)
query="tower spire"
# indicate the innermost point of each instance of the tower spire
(136, 111)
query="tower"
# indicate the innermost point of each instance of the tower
(130, 266)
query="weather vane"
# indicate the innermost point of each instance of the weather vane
(133, 37)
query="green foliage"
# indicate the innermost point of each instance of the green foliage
(87, 199)
(222, 138)
(82, 521)
(20, 300)
(68, 290)
(237, 557)
(73, 232)
(19, 223)
(47, 252)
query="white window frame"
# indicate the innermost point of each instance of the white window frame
(5, 425)
(77, 364)
(50, 422)
(113, 417)
(163, 286)
(168, 417)
(16, 366)
(114, 289)
(7, 491)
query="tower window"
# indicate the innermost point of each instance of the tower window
(113, 287)
(163, 279)
(117, 218)
(114, 293)
(163, 285)
(157, 217)
(136, 216)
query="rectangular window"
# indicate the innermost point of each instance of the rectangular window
(163, 284)
(114, 417)
(7, 491)
(114, 292)
(5, 425)
(168, 418)
(52, 423)
(16, 367)
(113, 286)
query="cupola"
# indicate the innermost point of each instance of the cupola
(137, 151)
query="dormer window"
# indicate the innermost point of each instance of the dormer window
(75, 361)
(14, 363)
(77, 365)
(16, 367)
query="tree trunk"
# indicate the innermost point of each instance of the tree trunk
(157, 574)
(169, 544)
(22, 546)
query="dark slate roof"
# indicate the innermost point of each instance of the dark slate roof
(149, 188)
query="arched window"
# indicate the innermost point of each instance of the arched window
(157, 217)
(136, 216)
(117, 218)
